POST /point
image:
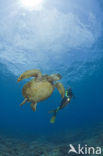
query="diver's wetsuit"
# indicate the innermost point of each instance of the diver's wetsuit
(66, 100)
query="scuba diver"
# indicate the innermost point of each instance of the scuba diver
(66, 100)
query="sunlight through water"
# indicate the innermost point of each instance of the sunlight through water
(53, 36)
(31, 4)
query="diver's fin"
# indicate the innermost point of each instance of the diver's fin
(53, 118)
(33, 106)
(60, 88)
(30, 73)
(23, 102)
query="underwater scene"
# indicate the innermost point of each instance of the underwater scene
(51, 77)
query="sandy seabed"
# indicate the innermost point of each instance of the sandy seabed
(55, 145)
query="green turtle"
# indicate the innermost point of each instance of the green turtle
(40, 87)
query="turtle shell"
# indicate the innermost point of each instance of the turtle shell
(36, 91)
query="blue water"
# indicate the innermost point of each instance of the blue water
(64, 37)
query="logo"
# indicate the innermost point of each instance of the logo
(85, 150)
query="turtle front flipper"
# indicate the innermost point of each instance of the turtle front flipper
(30, 73)
(25, 100)
(33, 106)
(60, 88)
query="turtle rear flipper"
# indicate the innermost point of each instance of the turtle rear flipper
(33, 106)
(30, 73)
(60, 88)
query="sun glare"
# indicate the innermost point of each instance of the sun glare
(31, 4)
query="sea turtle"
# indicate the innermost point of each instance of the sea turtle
(39, 88)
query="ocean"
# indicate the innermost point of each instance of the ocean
(64, 37)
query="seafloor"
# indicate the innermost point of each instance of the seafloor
(55, 145)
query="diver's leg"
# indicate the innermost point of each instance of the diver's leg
(33, 106)
(30, 73)
(60, 88)
(23, 102)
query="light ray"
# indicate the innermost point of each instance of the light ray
(31, 4)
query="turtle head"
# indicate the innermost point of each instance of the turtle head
(54, 77)
(58, 76)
